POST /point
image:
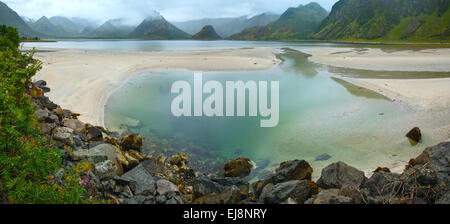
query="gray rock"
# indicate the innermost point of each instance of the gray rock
(47, 103)
(299, 191)
(203, 186)
(382, 185)
(105, 170)
(67, 113)
(52, 119)
(331, 196)
(74, 124)
(231, 195)
(229, 181)
(64, 135)
(98, 154)
(94, 134)
(172, 201)
(445, 199)
(47, 128)
(161, 199)
(139, 180)
(292, 170)
(40, 83)
(164, 187)
(323, 157)
(438, 159)
(41, 114)
(340, 174)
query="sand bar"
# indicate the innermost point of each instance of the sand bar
(419, 94)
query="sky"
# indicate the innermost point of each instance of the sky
(137, 10)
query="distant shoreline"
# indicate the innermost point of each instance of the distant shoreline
(367, 42)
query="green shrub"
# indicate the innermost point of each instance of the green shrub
(26, 162)
(9, 38)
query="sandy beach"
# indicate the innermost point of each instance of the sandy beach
(82, 80)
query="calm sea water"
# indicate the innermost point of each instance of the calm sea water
(319, 113)
(166, 45)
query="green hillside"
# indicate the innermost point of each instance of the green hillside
(295, 24)
(207, 33)
(391, 20)
(158, 29)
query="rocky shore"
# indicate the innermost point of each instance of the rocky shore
(115, 169)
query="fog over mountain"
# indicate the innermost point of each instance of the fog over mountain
(137, 10)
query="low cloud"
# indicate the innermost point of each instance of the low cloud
(137, 10)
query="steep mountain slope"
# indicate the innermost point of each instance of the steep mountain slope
(295, 24)
(157, 28)
(10, 18)
(43, 25)
(387, 20)
(66, 24)
(207, 33)
(111, 30)
(227, 26)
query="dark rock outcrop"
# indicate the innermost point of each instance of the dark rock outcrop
(299, 191)
(340, 174)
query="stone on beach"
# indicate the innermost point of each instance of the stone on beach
(415, 134)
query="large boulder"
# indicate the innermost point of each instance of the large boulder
(94, 134)
(438, 159)
(340, 174)
(240, 167)
(299, 191)
(106, 169)
(381, 187)
(431, 169)
(101, 153)
(41, 114)
(231, 195)
(331, 196)
(203, 186)
(74, 124)
(64, 135)
(291, 170)
(131, 142)
(164, 187)
(140, 181)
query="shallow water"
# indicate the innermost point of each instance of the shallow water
(177, 45)
(319, 113)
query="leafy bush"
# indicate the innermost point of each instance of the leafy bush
(26, 162)
(9, 38)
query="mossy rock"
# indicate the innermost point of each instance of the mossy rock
(240, 167)
(131, 142)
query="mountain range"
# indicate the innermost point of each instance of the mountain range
(349, 20)
(226, 27)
